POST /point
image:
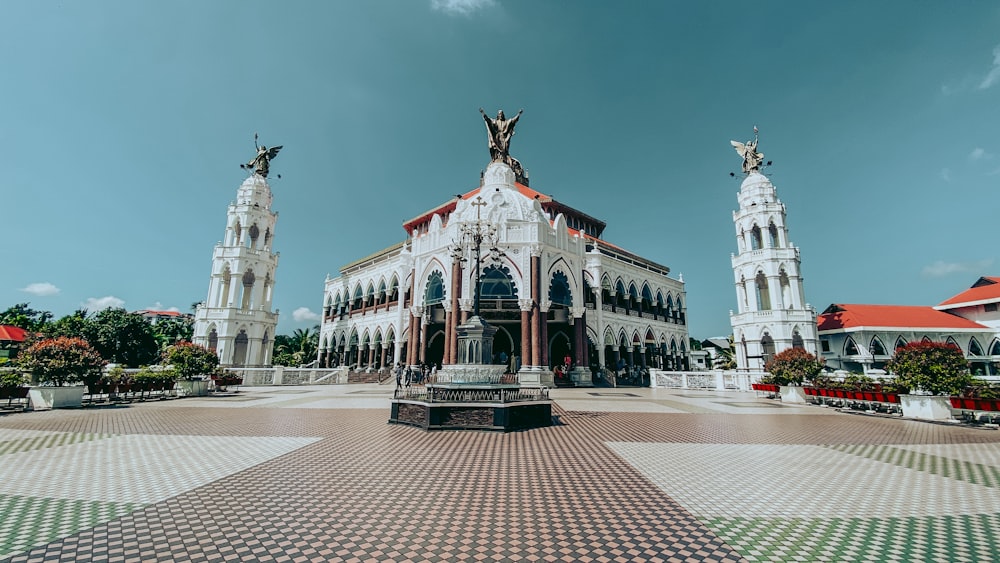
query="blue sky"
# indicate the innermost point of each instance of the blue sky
(123, 124)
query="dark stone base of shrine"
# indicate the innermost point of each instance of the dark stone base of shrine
(496, 417)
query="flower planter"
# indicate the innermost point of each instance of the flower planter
(892, 398)
(975, 404)
(926, 407)
(811, 391)
(43, 398)
(792, 394)
(868, 395)
(192, 388)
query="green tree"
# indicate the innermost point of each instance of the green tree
(74, 325)
(934, 367)
(61, 361)
(123, 338)
(299, 348)
(171, 331)
(792, 366)
(22, 316)
(191, 360)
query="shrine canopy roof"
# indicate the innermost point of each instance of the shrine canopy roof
(592, 226)
(985, 290)
(844, 316)
(12, 333)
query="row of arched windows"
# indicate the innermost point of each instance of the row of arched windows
(876, 347)
(755, 239)
(357, 299)
(252, 236)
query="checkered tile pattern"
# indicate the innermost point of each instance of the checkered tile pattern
(315, 477)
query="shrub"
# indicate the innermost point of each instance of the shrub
(61, 361)
(191, 360)
(934, 367)
(792, 366)
(9, 379)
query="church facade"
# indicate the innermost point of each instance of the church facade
(556, 291)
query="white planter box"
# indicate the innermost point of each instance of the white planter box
(926, 407)
(792, 394)
(44, 398)
(192, 388)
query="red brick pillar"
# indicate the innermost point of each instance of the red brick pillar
(536, 285)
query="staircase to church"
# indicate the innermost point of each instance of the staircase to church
(364, 377)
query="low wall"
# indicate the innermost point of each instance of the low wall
(719, 380)
(280, 375)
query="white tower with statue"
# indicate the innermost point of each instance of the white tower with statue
(236, 320)
(772, 314)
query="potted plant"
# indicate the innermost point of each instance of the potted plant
(933, 371)
(151, 379)
(13, 388)
(57, 366)
(789, 369)
(194, 364)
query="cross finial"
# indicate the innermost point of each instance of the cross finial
(480, 202)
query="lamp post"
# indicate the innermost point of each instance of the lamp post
(474, 235)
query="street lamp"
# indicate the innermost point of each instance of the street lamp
(473, 235)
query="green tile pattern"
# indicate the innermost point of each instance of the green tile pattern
(962, 470)
(33, 521)
(962, 538)
(42, 441)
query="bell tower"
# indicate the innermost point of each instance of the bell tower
(772, 314)
(236, 320)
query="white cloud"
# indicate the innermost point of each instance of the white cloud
(460, 7)
(941, 268)
(41, 289)
(304, 314)
(946, 175)
(101, 303)
(978, 153)
(993, 76)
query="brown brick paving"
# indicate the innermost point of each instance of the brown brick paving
(370, 491)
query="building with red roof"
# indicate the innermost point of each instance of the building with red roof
(856, 337)
(553, 287)
(11, 338)
(979, 303)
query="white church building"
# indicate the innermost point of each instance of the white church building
(772, 314)
(236, 319)
(552, 286)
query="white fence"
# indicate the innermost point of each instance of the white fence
(719, 380)
(280, 375)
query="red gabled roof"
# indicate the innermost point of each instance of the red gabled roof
(12, 333)
(838, 316)
(161, 313)
(986, 289)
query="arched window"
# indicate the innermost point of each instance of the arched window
(995, 348)
(435, 289)
(797, 341)
(755, 238)
(248, 280)
(763, 294)
(850, 347)
(358, 299)
(900, 342)
(497, 284)
(876, 347)
(213, 340)
(767, 347)
(559, 291)
(772, 232)
(974, 348)
(254, 234)
(786, 290)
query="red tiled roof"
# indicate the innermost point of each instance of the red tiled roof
(986, 289)
(161, 313)
(838, 316)
(8, 332)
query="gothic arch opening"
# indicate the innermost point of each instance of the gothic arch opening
(241, 344)
(763, 292)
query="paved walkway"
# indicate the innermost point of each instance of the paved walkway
(316, 474)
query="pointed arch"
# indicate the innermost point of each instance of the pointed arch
(496, 282)
(559, 289)
(926, 339)
(876, 347)
(951, 340)
(434, 288)
(974, 348)
(995, 347)
(850, 347)
(900, 342)
(609, 337)
(756, 241)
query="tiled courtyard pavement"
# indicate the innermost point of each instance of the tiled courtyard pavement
(316, 474)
